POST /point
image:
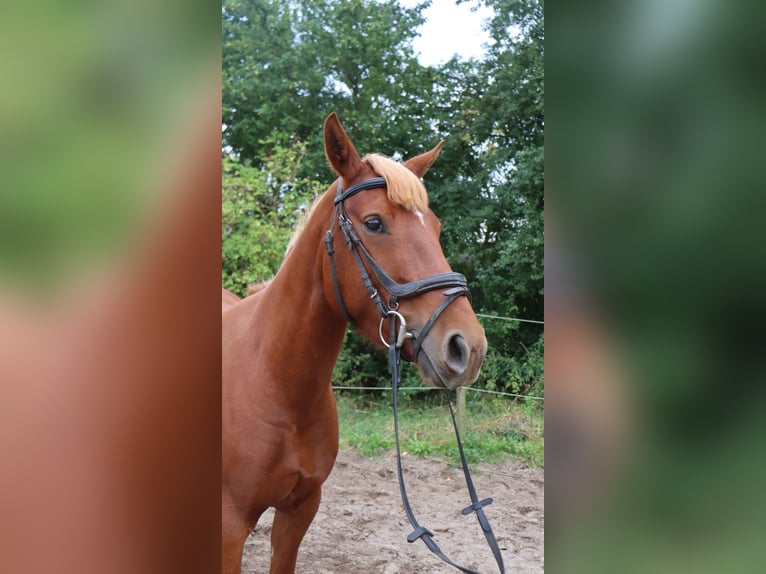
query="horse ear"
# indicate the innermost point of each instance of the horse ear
(420, 163)
(339, 150)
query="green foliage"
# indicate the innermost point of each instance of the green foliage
(490, 188)
(513, 374)
(288, 64)
(260, 208)
(361, 364)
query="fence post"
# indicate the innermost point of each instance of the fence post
(461, 410)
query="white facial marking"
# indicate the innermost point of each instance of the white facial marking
(420, 216)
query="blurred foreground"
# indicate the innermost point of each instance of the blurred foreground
(109, 260)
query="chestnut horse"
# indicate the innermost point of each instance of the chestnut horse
(280, 424)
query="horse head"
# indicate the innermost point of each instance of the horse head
(392, 261)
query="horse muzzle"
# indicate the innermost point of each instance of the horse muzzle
(453, 360)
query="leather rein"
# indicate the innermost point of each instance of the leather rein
(455, 286)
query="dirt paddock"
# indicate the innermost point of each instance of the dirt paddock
(361, 527)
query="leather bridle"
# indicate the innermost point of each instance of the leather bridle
(455, 286)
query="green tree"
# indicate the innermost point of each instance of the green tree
(263, 87)
(289, 64)
(489, 188)
(260, 208)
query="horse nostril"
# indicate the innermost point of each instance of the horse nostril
(457, 353)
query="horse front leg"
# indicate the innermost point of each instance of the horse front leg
(287, 533)
(234, 532)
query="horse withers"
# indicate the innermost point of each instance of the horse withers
(280, 424)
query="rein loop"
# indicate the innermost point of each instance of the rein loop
(477, 506)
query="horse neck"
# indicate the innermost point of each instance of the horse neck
(304, 331)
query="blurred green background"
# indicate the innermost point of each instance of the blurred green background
(655, 177)
(90, 94)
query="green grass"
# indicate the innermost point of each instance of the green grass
(497, 428)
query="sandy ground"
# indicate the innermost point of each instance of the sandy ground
(361, 527)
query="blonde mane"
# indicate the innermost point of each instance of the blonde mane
(302, 220)
(404, 187)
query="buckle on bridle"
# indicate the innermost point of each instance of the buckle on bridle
(402, 334)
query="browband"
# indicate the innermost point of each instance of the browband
(372, 183)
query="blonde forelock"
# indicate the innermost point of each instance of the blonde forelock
(404, 187)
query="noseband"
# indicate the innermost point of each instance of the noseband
(455, 284)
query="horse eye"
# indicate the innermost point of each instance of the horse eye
(375, 225)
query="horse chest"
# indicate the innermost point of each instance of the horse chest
(312, 453)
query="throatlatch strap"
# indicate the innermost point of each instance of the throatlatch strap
(329, 246)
